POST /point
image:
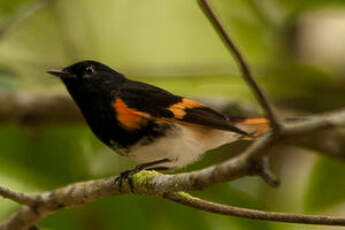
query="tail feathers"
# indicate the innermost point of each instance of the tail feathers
(255, 126)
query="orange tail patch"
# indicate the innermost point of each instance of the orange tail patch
(258, 125)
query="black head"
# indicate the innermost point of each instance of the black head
(86, 71)
(89, 77)
(93, 85)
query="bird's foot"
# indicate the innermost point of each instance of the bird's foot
(127, 177)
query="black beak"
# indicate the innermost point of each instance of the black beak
(60, 73)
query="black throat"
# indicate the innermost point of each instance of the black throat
(96, 107)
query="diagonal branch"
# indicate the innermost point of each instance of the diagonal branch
(241, 61)
(227, 210)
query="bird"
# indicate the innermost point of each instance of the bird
(151, 126)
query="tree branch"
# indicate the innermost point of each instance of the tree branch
(326, 142)
(247, 75)
(17, 197)
(31, 109)
(39, 206)
(212, 207)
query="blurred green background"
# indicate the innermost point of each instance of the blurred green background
(169, 43)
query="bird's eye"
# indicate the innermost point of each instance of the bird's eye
(90, 69)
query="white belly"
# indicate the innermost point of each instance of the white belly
(182, 145)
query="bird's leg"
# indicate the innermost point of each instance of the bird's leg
(127, 175)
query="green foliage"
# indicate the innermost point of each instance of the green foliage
(9, 7)
(326, 186)
(6, 75)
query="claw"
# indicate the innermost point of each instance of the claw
(127, 176)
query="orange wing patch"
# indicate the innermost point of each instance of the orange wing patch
(260, 124)
(129, 118)
(178, 109)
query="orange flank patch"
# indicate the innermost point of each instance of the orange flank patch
(178, 109)
(129, 118)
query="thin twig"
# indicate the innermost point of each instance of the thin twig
(251, 213)
(206, 8)
(17, 197)
(263, 169)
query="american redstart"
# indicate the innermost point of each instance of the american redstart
(155, 128)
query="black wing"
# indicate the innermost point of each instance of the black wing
(159, 104)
